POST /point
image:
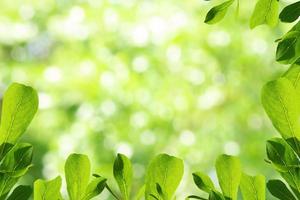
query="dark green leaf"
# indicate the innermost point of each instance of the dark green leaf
(22, 192)
(279, 190)
(95, 188)
(290, 13)
(218, 12)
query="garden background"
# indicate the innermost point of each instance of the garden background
(140, 77)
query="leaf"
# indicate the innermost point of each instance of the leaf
(281, 155)
(123, 174)
(229, 174)
(95, 188)
(253, 187)
(47, 190)
(288, 49)
(293, 74)
(165, 170)
(195, 197)
(215, 195)
(22, 192)
(281, 102)
(265, 12)
(292, 177)
(77, 172)
(18, 160)
(290, 13)
(218, 12)
(140, 193)
(20, 104)
(203, 182)
(279, 190)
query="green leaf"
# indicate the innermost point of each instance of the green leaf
(20, 103)
(265, 12)
(22, 192)
(123, 174)
(47, 190)
(203, 182)
(77, 172)
(253, 187)
(218, 12)
(281, 102)
(281, 155)
(279, 190)
(215, 195)
(140, 193)
(290, 13)
(165, 170)
(229, 174)
(18, 160)
(195, 197)
(293, 74)
(95, 188)
(288, 49)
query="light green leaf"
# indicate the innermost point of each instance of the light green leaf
(265, 12)
(203, 182)
(217, 13)
(165, 170)
(282, 104)
(293, 74)
(253, 187)
(279, 190)
(22, 192)
(20, 103)
(229, 174)
(123, 174)
(290, 13)
(140, 193)
(77, 172)
(95, 188)
(47, 190)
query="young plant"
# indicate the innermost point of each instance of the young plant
(79, 185)
(19, 105)
(162, 178)
(230, 178)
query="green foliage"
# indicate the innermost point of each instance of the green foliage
(123, 175)
(164, 173)
(46, 190)
(77, 172)
(19, 105)
(230, 178)
(21, 192)
(217, 13)
(229, 174)
(290, 13)
(203, 182)
(279, 190)
(79, 186)
(265, 12)
(253, 187)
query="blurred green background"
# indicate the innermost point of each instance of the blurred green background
(140, 77)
